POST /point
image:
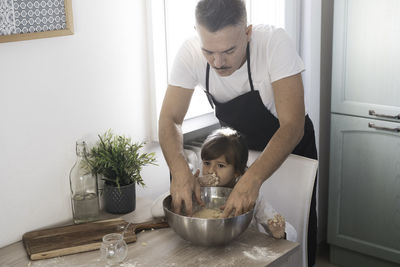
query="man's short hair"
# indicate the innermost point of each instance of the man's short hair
(215, 15)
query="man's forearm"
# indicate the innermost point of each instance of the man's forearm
(279, 147)
(171, 141)
(183, 184)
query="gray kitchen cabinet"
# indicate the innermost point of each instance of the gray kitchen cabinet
(364, 191)
(366, 58)
(364, 178)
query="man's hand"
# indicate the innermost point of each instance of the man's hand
(243, 197)
(182, 188)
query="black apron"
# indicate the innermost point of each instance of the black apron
(248, 115)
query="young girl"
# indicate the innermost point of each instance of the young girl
(224, 156)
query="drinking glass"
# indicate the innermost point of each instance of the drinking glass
(113, 249)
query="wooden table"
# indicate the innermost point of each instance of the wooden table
(163, 247)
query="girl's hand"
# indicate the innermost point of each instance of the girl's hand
(276, 226)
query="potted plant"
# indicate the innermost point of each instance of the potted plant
(118, 161)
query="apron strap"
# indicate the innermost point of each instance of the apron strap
(248, 66)
(209, 97)
(207, 76)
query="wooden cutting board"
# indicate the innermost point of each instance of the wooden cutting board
(71, 239)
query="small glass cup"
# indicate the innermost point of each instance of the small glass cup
(113, 249)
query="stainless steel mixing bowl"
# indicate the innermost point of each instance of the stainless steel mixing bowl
(208, 232)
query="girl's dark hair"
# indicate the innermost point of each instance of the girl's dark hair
(215, 15)
(228, 142)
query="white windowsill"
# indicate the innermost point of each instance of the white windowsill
(199, 122)
(199, 126)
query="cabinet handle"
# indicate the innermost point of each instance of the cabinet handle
(372, 125)
(372, 113)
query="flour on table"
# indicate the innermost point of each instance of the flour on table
(260, 253)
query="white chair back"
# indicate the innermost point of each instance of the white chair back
(289, 191)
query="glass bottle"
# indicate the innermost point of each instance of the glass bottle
(84, 193)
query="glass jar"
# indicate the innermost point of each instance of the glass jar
(84, 189)
(113, 249)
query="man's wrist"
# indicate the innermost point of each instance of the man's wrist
(183, 172)
(254, 177)
(256, 180)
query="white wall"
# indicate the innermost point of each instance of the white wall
(311, 54)
(54, 91)
(317, 54)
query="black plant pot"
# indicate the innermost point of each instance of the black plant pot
(120, 200)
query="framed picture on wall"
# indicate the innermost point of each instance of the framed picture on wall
(33, 19)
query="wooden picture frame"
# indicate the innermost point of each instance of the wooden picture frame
(18, 32)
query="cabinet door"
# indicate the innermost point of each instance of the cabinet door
(364, 187)
(366, 58)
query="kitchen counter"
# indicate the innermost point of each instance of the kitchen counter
(162, 247)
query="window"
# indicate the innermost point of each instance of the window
(177, 31)
(172, 22)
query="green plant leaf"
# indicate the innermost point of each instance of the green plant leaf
(118, 160)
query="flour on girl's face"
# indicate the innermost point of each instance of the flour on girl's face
(219, 168)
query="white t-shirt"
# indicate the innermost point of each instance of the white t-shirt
(272, 55)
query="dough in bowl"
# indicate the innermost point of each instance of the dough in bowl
(206, 213)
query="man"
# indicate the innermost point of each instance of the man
(253, 78)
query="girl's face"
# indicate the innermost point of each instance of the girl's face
(219, 166)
